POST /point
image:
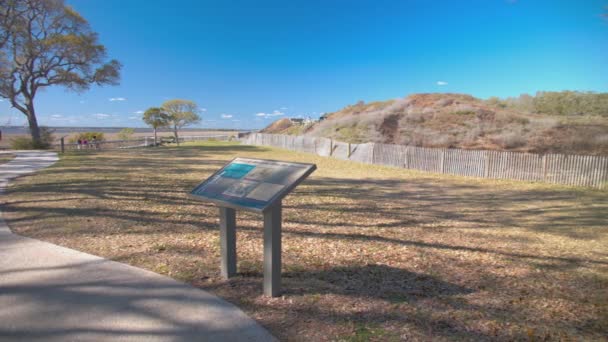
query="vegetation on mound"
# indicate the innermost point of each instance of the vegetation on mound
(550, 122)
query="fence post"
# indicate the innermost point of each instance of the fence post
(443, 161)
(348, 150)
(407, 157)
(544, 167)
(62, 145)
(331, 147)
(486, 169)
(373, 148)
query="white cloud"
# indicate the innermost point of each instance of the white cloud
(203, 109)
(267, 115)
(112, 99)
(226, 116)
(283, 108)
(56, 116)
(442, 83)
(133, 117)
(139, 112)
(101, 115)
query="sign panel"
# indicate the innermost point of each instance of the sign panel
(252, 184)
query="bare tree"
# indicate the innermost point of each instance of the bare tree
(45, 43)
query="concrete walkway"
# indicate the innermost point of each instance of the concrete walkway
(51, 293)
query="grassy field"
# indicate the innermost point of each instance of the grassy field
(369, 252)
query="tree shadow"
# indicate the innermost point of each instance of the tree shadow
(377, 281)
(100, 300)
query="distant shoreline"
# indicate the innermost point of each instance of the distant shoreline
(67, 130)
(109, 133)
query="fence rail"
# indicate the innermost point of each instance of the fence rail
(577, 170)
(134, 143)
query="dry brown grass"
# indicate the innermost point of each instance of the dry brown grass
(370, 253)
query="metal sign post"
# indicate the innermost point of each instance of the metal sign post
(228, 241)
(255, 185)
(272, 250)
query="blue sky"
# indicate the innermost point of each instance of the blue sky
(248, 63)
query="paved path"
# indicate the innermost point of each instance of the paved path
(51, 293)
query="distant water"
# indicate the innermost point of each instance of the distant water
(67, 130)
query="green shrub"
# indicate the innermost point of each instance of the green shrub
(126, 134)
(22, 143)
(88, 136)
(26, 143)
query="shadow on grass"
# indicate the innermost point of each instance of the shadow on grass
(378, 281)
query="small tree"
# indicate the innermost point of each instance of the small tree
(181, 113)
(156, 118)
(45, 43)
(126, 134)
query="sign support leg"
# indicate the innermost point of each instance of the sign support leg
(272, 251)
(228, 242)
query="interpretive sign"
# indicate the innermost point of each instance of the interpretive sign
(255, 185)
(252, 184)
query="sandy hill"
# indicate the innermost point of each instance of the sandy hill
(279, 126)
(463, 121)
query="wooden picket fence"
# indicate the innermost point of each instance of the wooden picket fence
(133, 143)
(576, 170)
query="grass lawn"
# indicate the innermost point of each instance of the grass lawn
(369, 252)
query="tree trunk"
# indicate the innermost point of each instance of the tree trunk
(175, 134)
(33, 122)
(155, 136)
